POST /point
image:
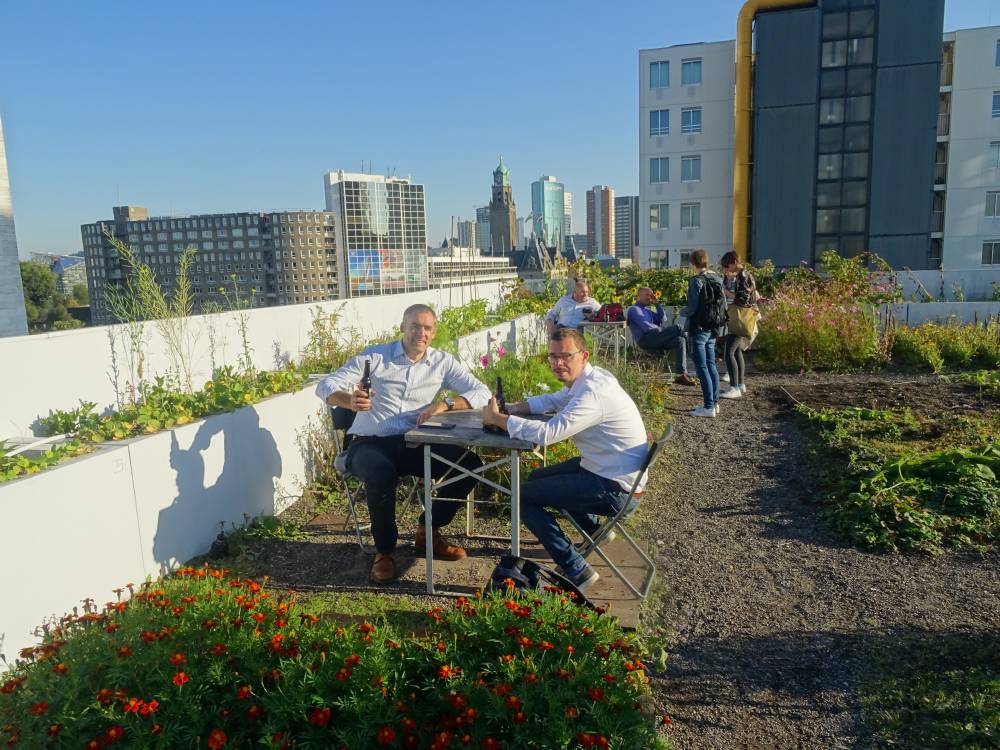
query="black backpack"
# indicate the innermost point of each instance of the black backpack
(528, 575)
(711, 312)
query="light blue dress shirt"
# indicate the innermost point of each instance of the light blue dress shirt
(401, 389)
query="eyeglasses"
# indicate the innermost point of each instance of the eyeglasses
(553, 358)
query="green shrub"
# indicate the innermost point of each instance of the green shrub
(912, 349)
(522, 376)
(20, 465)
(935, 346)
(203, 660)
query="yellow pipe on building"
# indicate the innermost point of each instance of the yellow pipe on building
(744, 109)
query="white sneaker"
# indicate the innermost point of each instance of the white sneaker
(724, 378)
(734, 392)
(702, 411)
(716, 409)
(743, 388)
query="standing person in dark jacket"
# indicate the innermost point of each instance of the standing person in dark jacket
(741, 291)
(703, 338)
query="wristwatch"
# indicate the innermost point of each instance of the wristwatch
(450, 403)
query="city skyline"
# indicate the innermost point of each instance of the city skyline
(194, 102)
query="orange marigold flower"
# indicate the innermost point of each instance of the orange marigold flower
(456, 700)
(531, 678)
(386, 736)
(507, 658)
(180, 678)
(255, 711)
(243, 692)
(585, 739)
(148, 636)
(258, 616)
(343, 674)
(11, 685)
(124, 652)
(178, 658)
(93, 745)
(156, 728)
(37, 709)
(114, 733)
(111, 627)
(595, 694)
(216, 739)
(219, 649)
(572, 712)
(319, 717)
(409, 724)
(470, 715)
(53, 730)
(489, 743)
(411, 741)
(149, 708)
(60, 668)
(366, 627)
(520, 717)
(513, 703)
(352, 660)
(132, 706)
(445, 671)
(546, 646)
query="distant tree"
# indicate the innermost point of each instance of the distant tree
(42, 302)
(81, 294)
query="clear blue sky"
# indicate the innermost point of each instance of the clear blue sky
(218, 105)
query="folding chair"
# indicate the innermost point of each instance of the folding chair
(614, 526)
(342, 420)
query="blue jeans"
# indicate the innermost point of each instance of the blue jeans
(703, 353)
(577, 492)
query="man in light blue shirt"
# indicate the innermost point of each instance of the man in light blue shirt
(406, 376)
(607, 428)
(572, 309)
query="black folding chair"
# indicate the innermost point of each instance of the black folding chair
(614, 526)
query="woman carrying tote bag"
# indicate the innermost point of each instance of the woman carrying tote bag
(741, 293)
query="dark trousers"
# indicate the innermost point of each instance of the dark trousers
(735, 364)
(665, 339)
(379, 462)
(574, 490)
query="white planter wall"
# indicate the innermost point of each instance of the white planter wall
(915, 313)
(52, 371)
(521, 336)
(132, 509)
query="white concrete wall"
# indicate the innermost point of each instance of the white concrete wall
(714, 144)
(976, 284)
(13, 320)
(913, 314)
(970, 170)
(522, 336)
(56, 370)
(130, 509)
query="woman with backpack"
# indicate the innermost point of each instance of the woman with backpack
(706, 314)
(741, 293)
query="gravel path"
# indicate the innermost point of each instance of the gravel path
(771, 618)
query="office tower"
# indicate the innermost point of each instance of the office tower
(627, 227)
(582, 244)
(278, 258)
(503, 213)
(522, 237)
(567, 214)
(548, 210)
(381, 232)
(483, 228)
(601, 220)
(13, 318)
(466, 233)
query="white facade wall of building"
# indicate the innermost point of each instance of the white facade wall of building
(567, 214)
(13, 319)
(712, 192)
(973, 150)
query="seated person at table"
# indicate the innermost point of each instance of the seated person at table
(607, 428)
(572, 309)
(649, 333)
(407, 376)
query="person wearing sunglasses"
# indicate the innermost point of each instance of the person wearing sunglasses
(607, 428)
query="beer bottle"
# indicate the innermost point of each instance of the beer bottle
(366, 379)
(501, 405)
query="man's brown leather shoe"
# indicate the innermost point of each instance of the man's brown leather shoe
(685, 379)
(384, 568)
(442, 550)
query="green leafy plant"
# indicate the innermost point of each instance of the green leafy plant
(936, 346)
(20, 465)
(205, 660)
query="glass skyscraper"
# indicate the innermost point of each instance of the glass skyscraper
(548, 210)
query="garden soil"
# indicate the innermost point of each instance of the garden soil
(771, 618)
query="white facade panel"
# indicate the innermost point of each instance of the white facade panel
(13, 320)
(714, 145)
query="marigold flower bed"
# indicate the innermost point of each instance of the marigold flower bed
(202, 659)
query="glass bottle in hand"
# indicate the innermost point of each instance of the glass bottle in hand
(366, 379)
(501, 405)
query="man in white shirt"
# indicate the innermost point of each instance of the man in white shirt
(572, 309)
(607, 428)
(406, 376)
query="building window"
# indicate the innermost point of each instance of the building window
(659, 75)
(994, 162)
(659, 169)
(991, 252)
(685, 258)
(659, 122)
(691, 72)
(691, 120)
(993, 204)
(690, 169)
(997, 60)
(690, 215)
(659, 216)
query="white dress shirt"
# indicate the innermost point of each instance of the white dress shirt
(401, 389)
(568, 312)
(602, 419)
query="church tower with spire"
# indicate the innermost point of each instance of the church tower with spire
(503, 213)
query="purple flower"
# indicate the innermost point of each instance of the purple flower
(485, 360)
(501, 351)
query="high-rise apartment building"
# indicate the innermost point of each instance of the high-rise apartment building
(381, 231)
(627, 227)
(548, 210)
(278, 258)
(965, 220)
(567, 214)
(870, 132)
(685, 151)
(601, 220)
(466, 233)
(503, 213)
(483, 228)
(13, 318)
